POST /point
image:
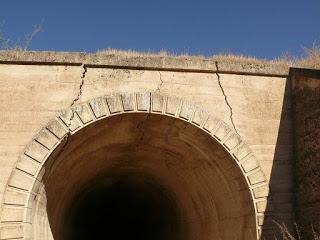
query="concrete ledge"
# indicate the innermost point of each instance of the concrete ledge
(144, 62)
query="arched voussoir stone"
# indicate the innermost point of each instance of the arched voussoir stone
(25, 181)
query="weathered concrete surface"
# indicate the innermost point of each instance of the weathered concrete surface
(131, 61)
(306, 99)
(250, 104)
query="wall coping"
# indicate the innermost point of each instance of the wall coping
(145, 62)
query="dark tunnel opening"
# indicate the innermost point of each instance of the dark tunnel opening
(122, 207)
(175, 183)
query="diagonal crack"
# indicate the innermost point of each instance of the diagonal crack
(225, 98)
(76, 99)
(66, 138)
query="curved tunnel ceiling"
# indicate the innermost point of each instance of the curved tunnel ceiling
(128, 173)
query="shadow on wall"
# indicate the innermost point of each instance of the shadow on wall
(306, 121)
(279, 210)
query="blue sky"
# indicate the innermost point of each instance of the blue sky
(264, 29)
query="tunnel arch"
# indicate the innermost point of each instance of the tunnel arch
(25, 191)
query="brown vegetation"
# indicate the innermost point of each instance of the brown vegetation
(286, 234)
(8, 44)
(310, 58)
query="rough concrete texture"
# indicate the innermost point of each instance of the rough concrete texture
(215, 145)
(133, 61)
(306, 98)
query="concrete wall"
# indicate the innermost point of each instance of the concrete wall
(250, 102)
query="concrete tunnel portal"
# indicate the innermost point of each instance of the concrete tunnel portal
(146, 176)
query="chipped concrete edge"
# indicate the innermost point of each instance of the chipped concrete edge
(156, 63)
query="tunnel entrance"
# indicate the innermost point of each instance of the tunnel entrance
(146, 176)
(121, 207)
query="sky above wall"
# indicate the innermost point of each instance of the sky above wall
(265, 29)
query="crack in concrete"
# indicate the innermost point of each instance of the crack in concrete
(161, 82)
(75, 100)
(142, 123)
(225, 98)
(66, 138)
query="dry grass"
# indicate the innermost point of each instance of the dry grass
(8, 44)
(287, 235)
(133, 53)
(310, 58)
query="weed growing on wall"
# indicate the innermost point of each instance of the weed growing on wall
(23, 45)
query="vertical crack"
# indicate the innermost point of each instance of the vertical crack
(225, 98)
(161, 82)
(143, 122)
